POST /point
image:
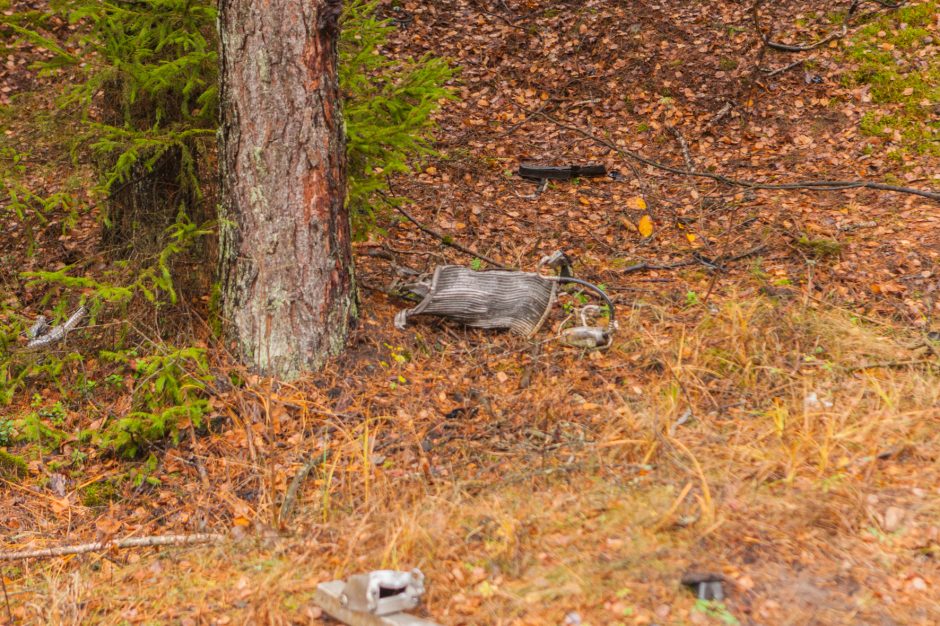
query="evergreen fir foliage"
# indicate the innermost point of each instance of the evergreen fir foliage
(388, 107)
(141, 77)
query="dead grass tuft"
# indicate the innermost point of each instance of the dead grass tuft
(741, 440)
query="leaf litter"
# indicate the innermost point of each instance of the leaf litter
(762, 420)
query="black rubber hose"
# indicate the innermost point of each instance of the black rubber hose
(571, 279)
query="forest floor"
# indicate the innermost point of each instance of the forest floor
(769, 411)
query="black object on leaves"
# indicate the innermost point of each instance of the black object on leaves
(536, 171)
(705, 585)
(461, 411)
(615, 175)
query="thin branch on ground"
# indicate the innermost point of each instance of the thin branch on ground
(689, 165)
(447, 240)
(98, 546)
(891, 364)
(784, 47)
(200, 466)
(291, 496)
(720, 114)
(528, 117)
(888, 5)
(788, 66)
(714, 263)
(809, 185)
(501, 18)
(839, 34)
(6, 599)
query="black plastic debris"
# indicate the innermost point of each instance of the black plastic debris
(461, 411)
(537, 171)
(705, 585)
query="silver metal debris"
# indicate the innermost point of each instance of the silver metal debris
(501, 300)
(587, 336)
(42, 334)
(383, 591)
(496, 300)
(376, 598)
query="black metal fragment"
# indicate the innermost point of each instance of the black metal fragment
(536, 171)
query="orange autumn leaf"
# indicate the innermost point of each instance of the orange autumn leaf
(636, 203)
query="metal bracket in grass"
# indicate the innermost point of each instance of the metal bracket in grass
(705, 585)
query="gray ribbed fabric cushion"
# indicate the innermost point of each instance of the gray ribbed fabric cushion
(518, 301)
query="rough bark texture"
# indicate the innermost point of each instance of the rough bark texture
(286, 264)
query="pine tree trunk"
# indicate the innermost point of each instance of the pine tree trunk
(286, 263)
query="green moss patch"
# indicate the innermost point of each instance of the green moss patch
(895, 55)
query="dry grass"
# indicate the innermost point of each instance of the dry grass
(808, 483)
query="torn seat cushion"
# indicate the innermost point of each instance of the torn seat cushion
(517, 301)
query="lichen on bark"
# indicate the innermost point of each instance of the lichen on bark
(285, 257)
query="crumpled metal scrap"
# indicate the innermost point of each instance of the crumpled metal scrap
(498, 299)
(504, 300)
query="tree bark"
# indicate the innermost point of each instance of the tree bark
(286, 262)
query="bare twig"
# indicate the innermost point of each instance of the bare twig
(528, 117)
(689, 165)
(850, 228)
(98, 546)
(788, 66)
(6, 598)
(806, 47)
(291, 496)
(449, 241)
(714, 264)
(501, 18)
(720, 115)
(200, 466)
(784, 47)
(891, 364)
(747, 253)
(809, 185)
(839, 34)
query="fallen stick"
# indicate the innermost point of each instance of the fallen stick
(809, 185)
(449, 241)
(789, 66)
(685, 149)
(98, 546)
(6, 598)
(709, 263)
(720, 115)
(291, 496)
(785, 47)
(891, 365)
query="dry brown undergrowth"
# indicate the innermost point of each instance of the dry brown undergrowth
(809, 483)
(806, 479)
